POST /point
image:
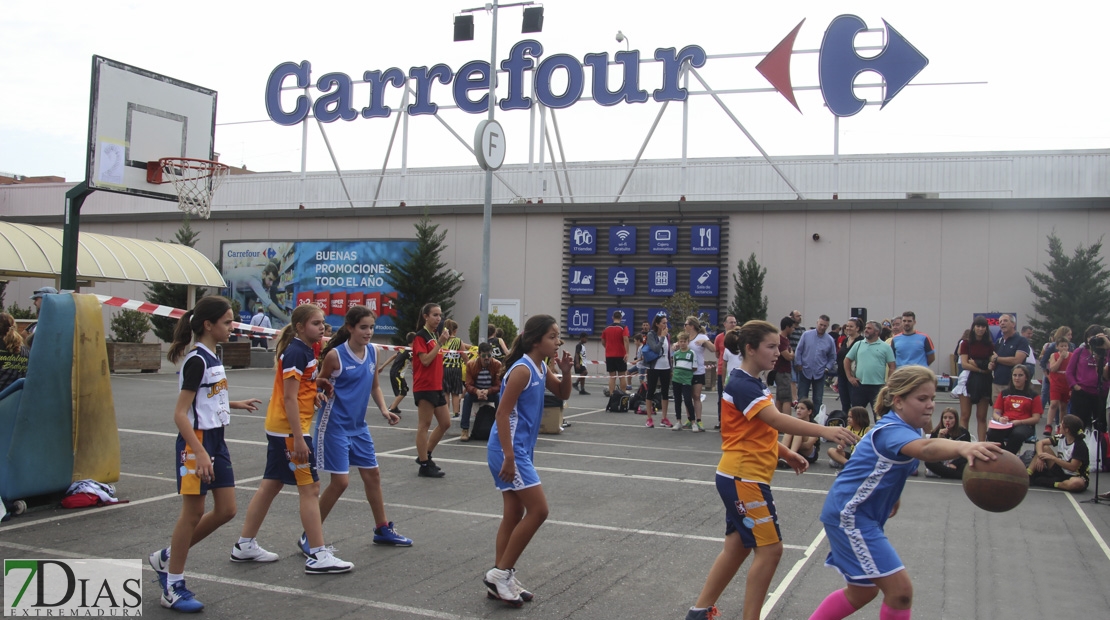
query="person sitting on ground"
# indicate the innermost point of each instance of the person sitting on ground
(805, 446)
(1062, 461)
(949, 428)
(1016, 412)
(483, 384)
(859, 421)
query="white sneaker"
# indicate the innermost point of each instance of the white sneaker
(525, 595)
(501, 582)
(251, 552)
(324, 563)
(677, 426)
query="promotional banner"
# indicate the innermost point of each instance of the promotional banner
(277, 276)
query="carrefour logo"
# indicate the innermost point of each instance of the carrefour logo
(898, 63)
(268, 253)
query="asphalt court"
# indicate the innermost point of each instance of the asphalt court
(635, 523)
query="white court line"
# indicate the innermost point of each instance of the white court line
(1090, 526)
(81, 513)
(265, 587)
(789, 578)
(624, 445)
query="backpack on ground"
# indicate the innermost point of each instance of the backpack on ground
(837, 418)
(638, 402)
(483, 422)
(618, 402)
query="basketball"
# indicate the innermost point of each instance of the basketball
(997, 486)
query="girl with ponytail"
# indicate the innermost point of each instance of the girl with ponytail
(868, 491)
(203, 461)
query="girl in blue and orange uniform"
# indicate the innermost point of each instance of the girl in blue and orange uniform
(289, 458)
(868, 492)
(349, 379)
(512, 442)
(203, 462)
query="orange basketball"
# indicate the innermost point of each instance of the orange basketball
(997, 486)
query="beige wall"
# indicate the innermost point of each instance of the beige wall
(944, 264)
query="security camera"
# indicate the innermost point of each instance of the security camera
(816, 237)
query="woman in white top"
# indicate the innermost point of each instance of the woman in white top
(702, 346)
(659, 369)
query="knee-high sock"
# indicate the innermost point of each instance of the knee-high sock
(834, 607)
(889, 613)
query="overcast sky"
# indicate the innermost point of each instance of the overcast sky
(1044, 71)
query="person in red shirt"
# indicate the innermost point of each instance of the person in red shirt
(719, 343)
(1016, 412)
(427, 388)
(615, 339)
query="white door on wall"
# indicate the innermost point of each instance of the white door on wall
(507, 307)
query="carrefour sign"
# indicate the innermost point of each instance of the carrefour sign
(839, 64)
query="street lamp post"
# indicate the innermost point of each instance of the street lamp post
(532, 23)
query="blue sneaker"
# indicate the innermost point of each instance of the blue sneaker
(302, 544)
(178, 598)
(386, 535)
(160, 562)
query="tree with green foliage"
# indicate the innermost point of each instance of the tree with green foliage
(173, 295)
(420, 277)
(1072, 290)
(130, 326)
(678, 307)
(748, 301)
(497, 320)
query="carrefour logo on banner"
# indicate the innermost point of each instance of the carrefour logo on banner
(78, 588)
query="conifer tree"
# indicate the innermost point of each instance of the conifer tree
(420, 277)
(748, 300)
(173, 295)
(1072, 291)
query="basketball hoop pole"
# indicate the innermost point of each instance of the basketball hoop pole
(75, 197)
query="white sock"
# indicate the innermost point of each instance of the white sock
(172, 578)
(246, 542)
(316, 550)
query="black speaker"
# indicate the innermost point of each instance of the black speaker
(859, 313)
(533, 19)
(464, 27)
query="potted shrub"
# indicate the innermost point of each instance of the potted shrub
(126, 349)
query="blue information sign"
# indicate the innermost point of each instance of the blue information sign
(705, 239)
(653, 312)
(627, 317)
(580, 320)
(622, 281)
(622, 239)
(583, 239)
(663, 240)
(662, 281)
(711, 315)
(704, 281)
(580, 280)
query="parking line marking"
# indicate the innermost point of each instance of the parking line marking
(790, 576)
(1090, 526)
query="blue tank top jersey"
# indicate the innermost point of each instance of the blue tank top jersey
(872, 481)
(352, 383)
(524, 421)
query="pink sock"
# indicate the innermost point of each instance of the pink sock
(834, 607)
(888, 613)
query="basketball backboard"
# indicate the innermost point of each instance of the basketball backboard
(137, 116)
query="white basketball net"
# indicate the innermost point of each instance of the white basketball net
(194, 180)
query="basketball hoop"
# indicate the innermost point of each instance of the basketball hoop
(194, 180)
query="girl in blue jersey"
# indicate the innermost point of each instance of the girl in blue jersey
(203, 461)
(511, 444)
(868, 492)
(349, 379)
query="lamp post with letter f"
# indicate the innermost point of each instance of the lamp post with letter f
(489, 138)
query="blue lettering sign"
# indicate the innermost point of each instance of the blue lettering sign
(839, 64)
(704, 281)
(662, 281)
(580, 280)
(672, 66)
(583, 240)
(424, 77)
(622, 239)
(474, 75)
(575, 81)
(622, 281)
(333, 105)
(516, 64)
(705, 239)
(276, 113)
(580, 320)
(663, 240)
(629, 90)
(377, 81)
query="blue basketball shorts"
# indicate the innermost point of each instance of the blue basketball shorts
(337, 451)
(861, 555)
(749, 511)
(280, 464)
(525, 477)
(188, 482)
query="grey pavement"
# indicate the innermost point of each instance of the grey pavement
(635, 523)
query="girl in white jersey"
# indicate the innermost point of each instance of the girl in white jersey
(349, 379)
(511, 444)
(203, 462)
